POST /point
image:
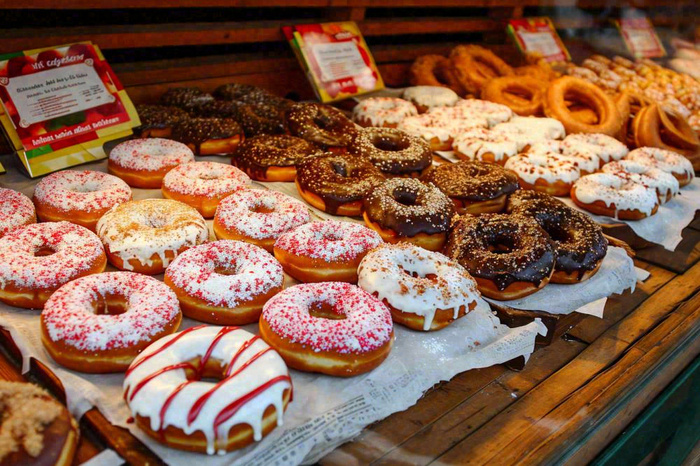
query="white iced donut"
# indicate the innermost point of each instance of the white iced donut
(549, 173)
(665, 160)
(439, 128)
(665, 184)
(527, 130)
(607, 148)
(493, 112)
(427, 97)
(483, 145)
(583, 158)
(382, 111)
(613, 196)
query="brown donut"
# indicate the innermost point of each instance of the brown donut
(272, 158)
(391, 150)
(474, 66)
(434, 70)
(523, 94)
(157, 121)
(320, 124)
(186, 98)
(209, 136)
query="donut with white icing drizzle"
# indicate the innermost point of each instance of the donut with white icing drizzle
(607, 148)
(424, 290)
(143, 163)
(666, 185)
(483, 145)
(582, 157)
(382, 111)
(427, 97)
(665, 160)
(545, 172)
(330, 327)
(527, 130)
(145, 236)
(170, 401)
(614, 196)
(100, 323)
(493, 112)
(16, 210)
(438, 129)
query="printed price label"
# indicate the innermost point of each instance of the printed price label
(640, 37)
(537, 36)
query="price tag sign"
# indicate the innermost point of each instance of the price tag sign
(60, 105)
(640, 37)
(537, 36)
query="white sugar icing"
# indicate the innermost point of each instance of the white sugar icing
(613, 190)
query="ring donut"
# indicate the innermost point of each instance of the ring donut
(474, 66)
(522, 94)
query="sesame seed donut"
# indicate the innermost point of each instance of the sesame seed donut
(224, 282)
(209, 136)
(509, 256)
(391, 150)
(145, 236)
(272, 158)
(582, 157)
(35, 260)
(142, 163)
(427, 97)
(325, 251)
(16, 210)
(665, 160)
(258, 216)
(330, 327)
(607, 148)
(100, 323)
(405, 209)
(614, 196)
(493, 112)
(167, 392)
(474, 187)
(666, 185)
(424, 290)
(545, 172)
(527, 130)
(202, 185)
(382, 111)
(483, 145)
(323, 125)
(80, 197)
(439, 129)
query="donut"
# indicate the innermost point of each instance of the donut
(323, 125)
(80, 197)
(405, 209)
(169, 393)
(209, 136)
(666, 185)
(382, 111)
(332, 328)
(325, 251)
(474, 187)
(145, 236)
(100, 323)
(602, 59)
(255, 119)
(665, 160)
(524, 95)
(544, 171)
(186, 98)
(337, 183)
(578, 241)
(35, 428)
(509, 256)
(202, 185)
(525, 131)
(272, 158)
(655, 127)
(424, 290)
(142, 163)
(483, 145)
(614, 196)
(35, 260)
(427, 97)
(224, 282)
(157, 121)
(240, 92)
(586, 160)
(439, 129)
(434, 71)
(258, 216)
(462, 116)
(391, 150)
(494, 113)
(606, 148)
(16, 210)
(474, 66)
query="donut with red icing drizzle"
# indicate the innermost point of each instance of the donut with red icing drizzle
(143, 163)
(16, 210)
(170, 401)
(329, 327)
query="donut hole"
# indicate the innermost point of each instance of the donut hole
(110, 305)
(44, 251)
(325, 310)
(323, 121)
(89, 187)
(229, 269)
(389, 144)
(262, 209)
(340, 169)
(156, 221)
(209, 176)
(501, 245)
(415, 274)
(404, 197)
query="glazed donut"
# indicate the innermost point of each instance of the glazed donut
(323, 125)
(332, 328)
(482, 145)
(224, 282)
(166, 391)
(654, 127)
(541, 70)
(615, 197)
(665, 160)
(16, 210)
(258, 216)
(265, 118)
(522, 94)
(336, 184)
(202, 185)
(525, 131)
(100, 323)
(578, 241)
(545, 172)
(427, 97)
(157, 121)
(145, 236)
(666, 185)
(241, 93)
(583, 158)
(404, 209)
(439, 129)
(382, 111)
(142, 163)
(325, 251)
(79, 197)
(186, 98)
(569, 88)
(509, 256)
(463, 116)
(36, 429)
(424, 290)
(494, 113)
(606, 148)
(391, 150)
(434, 71)
(209, 136)
(272, 158)
(474, 66)
(35, 260)
(474, 187)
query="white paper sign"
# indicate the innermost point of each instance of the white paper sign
(338, 60)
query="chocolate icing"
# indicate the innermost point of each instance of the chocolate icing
(392, 151)
(186, 98)
(254, 118)
(159, 116)
(196, 131)
(54, 435)
(257, 154)
(320, 124)
(472, 181)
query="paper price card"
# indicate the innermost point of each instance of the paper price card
(537, 36)
(640, 37)
(60, 105)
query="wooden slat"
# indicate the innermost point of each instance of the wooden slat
(681, 259)
(115, 4)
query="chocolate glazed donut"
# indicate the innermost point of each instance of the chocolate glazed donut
(195, 132)
(391, 150)
(257, 155)
(186, 98)
(321, 124)
(510, 256)
(578, 240)
(157, 121)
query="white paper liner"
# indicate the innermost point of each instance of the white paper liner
(106, 457)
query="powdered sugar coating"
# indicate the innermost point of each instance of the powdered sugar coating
(666, 185)
(16, 210)
(614, 190)
(237, 211)
(208, 179)
(367, 325)
(85, 190)
(150, 154)
(69, 314)
(430, 96)
(255, 272)
(381, 111)
(666, 160)
(528, 130)
(331, 241)
(549, 167)
(605, 147)
(477, 142)
(76, 251)
(493, 112)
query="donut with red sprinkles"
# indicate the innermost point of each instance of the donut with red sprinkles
(143, 163)
(16, 210)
